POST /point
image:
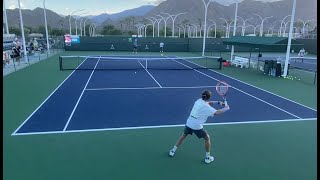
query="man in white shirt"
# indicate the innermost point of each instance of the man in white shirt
(301, 52)
(199, 114)
(161, 46)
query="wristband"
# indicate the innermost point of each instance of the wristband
(215, 102)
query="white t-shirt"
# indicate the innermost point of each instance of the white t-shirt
(161, 44)
(199, 114)
(301, 52)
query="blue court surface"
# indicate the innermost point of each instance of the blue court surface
(89, 100)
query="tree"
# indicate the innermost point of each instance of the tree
(169, 32)
(56, 32)
(26, 31)
(149, 30)
(32, 30)
(15, 30)
(219, 32)
(110, 30)
(87, 29)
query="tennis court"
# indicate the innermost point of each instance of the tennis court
(97, 123)
(151, 98)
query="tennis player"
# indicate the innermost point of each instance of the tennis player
(135, 46)
(161, 46)
(199, 114)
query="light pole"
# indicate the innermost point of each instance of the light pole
(158, 21)
(184, 31)
(5, 17)
(243, 24)
(22, 32)
(201, 30)
(285, 28)
(234, 27)
(153, 22)
(76, 22)
(173, 18)
(138, 29)
(289, 39)
(254, 30)
(165, 24)
(91, 29)
(178, 31)
(226, 26)
(145, 29)
(46, 25)
(205, 24)
(81, 26)
(215, 28)
(195, 29)
(70, 19)
(282, 22)
(262, 20)
(271, 30)
(249, 26)
(189, 30)
(304, 24)
(229, 27)
(84, 27)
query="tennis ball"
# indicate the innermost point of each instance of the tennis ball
(161, 54)
(135, 72)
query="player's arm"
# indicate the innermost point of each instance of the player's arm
(216, 102)
(221, 111)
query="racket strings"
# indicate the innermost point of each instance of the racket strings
(222, 89)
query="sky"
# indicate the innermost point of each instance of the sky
(92, 7)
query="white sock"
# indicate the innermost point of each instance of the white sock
(207, 154)
(174, 148)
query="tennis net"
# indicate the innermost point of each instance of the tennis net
(135, 63)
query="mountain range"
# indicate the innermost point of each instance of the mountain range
(305, 9)
(35, 18)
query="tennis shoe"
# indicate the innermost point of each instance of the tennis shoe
(171, 153)
(208, 159)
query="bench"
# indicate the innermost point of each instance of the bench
(240, 61)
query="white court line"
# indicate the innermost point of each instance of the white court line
(305, 71)
(255, 87)
(143, 88)
(243, 92)
(163, 126)
(47, 98)
(150, 75)
(75, 107)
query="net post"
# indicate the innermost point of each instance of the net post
(220, 62)
(146, 63)
(60, 63)
(207, 62)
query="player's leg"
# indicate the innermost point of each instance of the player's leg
(186, 131)
(207, 144)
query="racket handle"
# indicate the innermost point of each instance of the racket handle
(225, 103)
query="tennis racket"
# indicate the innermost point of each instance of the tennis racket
(222, 90)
